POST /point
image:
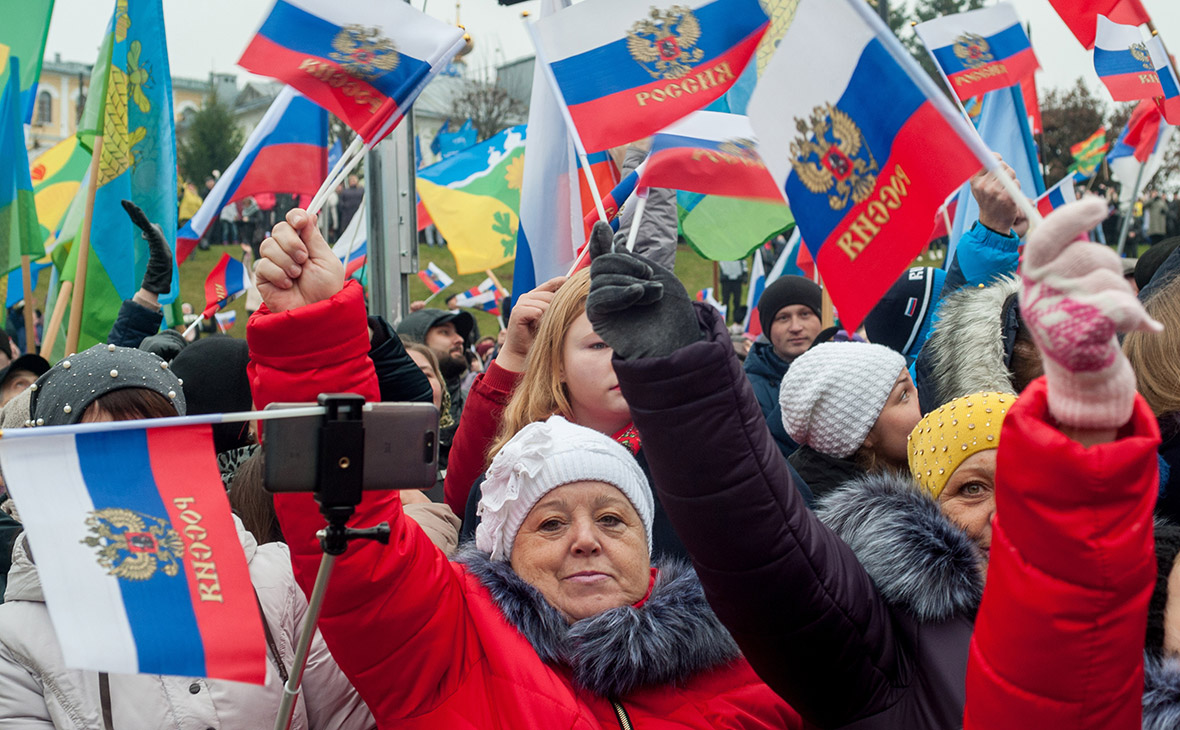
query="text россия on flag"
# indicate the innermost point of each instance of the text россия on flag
(980, 50)
(363, 60)
(137, 551)
(627, 69)
(865, 148)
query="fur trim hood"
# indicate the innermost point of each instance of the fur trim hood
(1161, 693)
(671, 637)
(966, 350)
(917, 558)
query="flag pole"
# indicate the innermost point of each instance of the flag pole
(49, 338)
(346, 164)
(432, 296)
(78, 296)
(640, 205)
(495, 280)
(1130, 210)
(26, 271)
(569, 123)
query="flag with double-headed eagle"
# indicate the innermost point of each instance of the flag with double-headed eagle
(365, 61)
(980, 50)
(137, 552)
(129, 106)
(226, 281)
(1123, 62)
(626, 69)
(849, 145)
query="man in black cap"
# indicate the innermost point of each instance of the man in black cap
(789, 312)
(19, 375)
(445, 333)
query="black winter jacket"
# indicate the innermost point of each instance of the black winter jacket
(765, 370)
(874, 635)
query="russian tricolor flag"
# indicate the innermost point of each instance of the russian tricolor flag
(1169, 103)
(352, 248)
(1057, 196)
(1079, 15)
(618, 195)
(485, 297)
(363, 60)
(227, 280)
(435, 278)
(136, 549)
(980, 50)
(712, 153)
(1124, 63)
(627, 70)
(286, 153)
(865, 146)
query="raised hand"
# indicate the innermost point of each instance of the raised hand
(636, 306)
(1075, 301)
(158, 277)
(297, 266)
(523, 324)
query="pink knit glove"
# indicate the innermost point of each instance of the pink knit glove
(1074, 299)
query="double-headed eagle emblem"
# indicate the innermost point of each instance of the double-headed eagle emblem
(364, 52)
(742, 147)
(830, 156)
(1142, 55)
(973, 50)
(132, 545)
(663, 42)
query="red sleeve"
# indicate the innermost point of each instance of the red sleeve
(1059, 636)
(394, 615)
(477, 429)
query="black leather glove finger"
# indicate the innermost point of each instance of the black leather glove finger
(601, 238)
(158, 277)
(638, 307)
(166, 344)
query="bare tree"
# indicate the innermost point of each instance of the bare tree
(489, 107)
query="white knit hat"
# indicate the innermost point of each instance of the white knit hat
(834, 392)
(541, 457)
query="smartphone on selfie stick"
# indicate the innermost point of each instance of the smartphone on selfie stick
(351, 447)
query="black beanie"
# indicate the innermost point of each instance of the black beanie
(785, 291)
(1167, 547)
(215, 381)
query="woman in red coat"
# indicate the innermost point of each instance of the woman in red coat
(559, 622)
(1059, 636)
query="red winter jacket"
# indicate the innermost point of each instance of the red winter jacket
(477, 429)
(1058, 639)
(427, 643)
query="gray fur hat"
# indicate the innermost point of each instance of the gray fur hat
(60, 396)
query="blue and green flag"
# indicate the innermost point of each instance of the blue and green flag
(20, 233)
(24, 29)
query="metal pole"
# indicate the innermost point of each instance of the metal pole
(1130, 209)
(393, 222)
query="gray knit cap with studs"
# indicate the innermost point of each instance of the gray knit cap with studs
(61, 396)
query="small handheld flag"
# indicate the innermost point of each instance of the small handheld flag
(137, 551)
(706, 296)
(711, 153)
(1124, 63)
(1057, 196)
(980, 50)
(484, 297)
(1088, 155)
(848, 142)
(435, 278)
(626, 70)
(1169, 103)
(365, 61)
(226, 281)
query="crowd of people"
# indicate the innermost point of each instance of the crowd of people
(962, 514)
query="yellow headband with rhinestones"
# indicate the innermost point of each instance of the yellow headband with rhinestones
(945, 438)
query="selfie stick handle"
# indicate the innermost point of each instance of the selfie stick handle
(339, 487)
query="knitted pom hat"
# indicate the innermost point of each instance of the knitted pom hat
(541, 457)
(834, 392)
(946, 437)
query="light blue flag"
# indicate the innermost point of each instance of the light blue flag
(138, 158)
(1003, 124)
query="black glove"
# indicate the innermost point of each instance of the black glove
(158, 278)
(636, 306)
(166, 344)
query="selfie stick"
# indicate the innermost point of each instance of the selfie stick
(339, 488)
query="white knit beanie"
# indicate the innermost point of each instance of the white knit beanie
(541, 457)
(834, 392)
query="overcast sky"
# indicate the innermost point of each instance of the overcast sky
(209, 35)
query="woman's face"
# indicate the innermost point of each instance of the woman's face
(428, 370)
(969, 498)
(889, 437)
(590, 380)
(584, 548)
